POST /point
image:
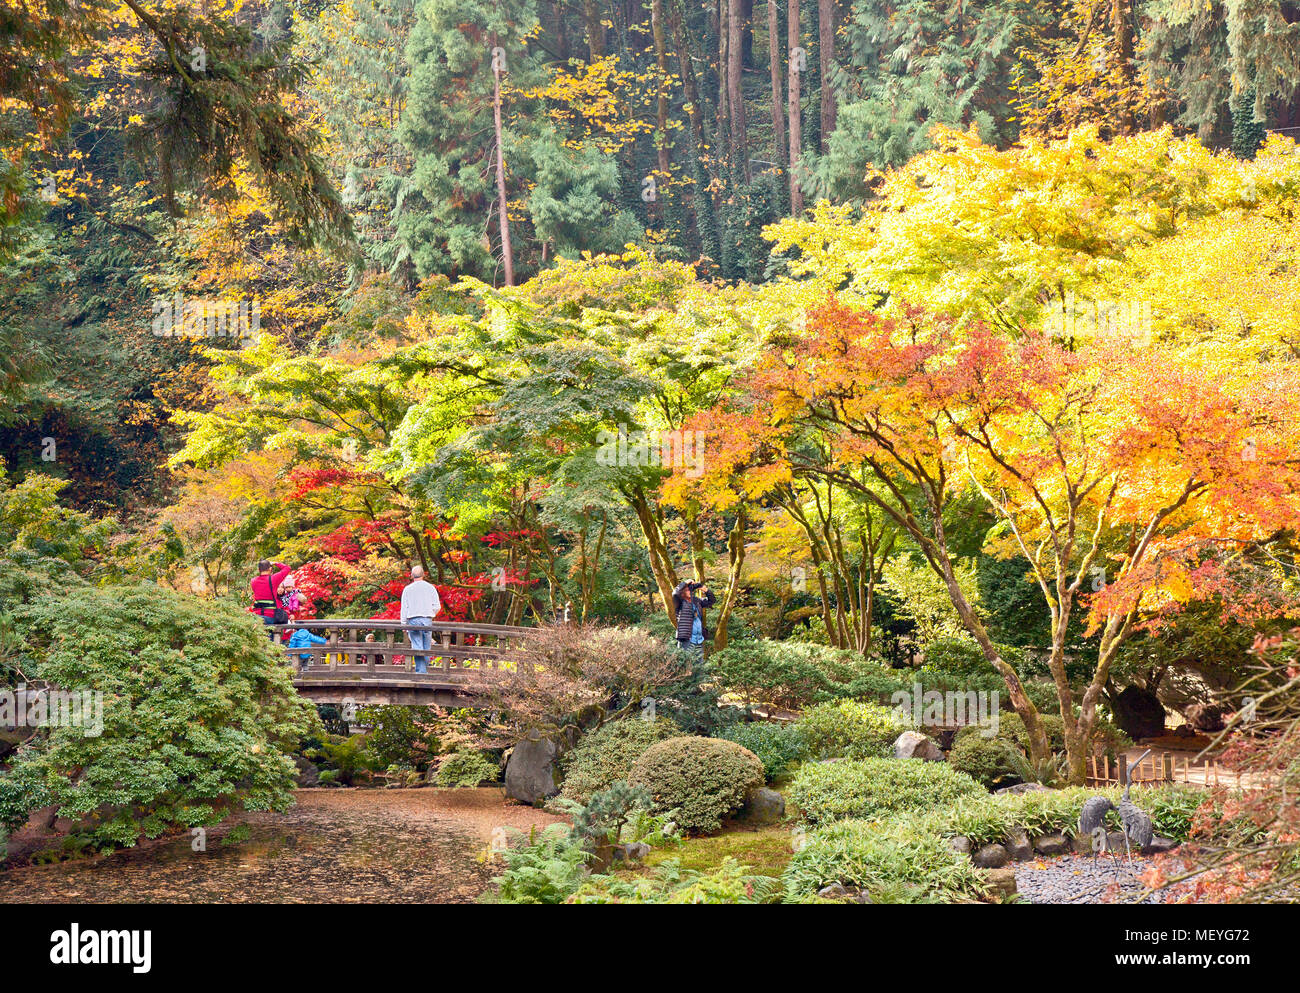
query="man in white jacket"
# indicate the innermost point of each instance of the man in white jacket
(420, 605)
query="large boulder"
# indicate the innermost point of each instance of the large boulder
(530, 771)
(764, 806)
(914, 745)
(1139, 713)
(308, 774)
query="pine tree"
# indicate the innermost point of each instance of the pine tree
(1247, 132)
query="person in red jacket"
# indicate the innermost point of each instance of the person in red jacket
(265, 588)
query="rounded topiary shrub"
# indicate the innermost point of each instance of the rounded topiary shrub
(700, 780)
(851, 729)
(606, 755)
(832, 791)
(987, 760)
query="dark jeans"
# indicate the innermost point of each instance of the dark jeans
(268, 621)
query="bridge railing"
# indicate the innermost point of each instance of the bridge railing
(361, 648)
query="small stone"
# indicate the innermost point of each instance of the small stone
(1115, 841)
(1001, 882)
(834, 891)
(1082, 844)
(1159, 845)
(631, 852)
(961, 844)
(1052, 844)
(991, 857)
(1018, 846)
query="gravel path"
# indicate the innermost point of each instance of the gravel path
(1083, 879)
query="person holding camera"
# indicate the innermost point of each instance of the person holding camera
(690, 600)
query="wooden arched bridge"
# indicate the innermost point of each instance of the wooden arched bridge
(372, 662)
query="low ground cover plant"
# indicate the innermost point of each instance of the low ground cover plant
(831, 791)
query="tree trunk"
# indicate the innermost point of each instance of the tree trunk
(736, 560)
(507, 256)
(723, 107)
(774, 55)
(795, 54)
(661, 116)
(595, 30)
(826, 57)
(1121, 23)
(735, 90)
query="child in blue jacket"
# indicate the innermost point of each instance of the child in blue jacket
(301, 639)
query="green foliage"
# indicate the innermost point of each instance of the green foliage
(697, 780)
(829, 791)
(792, 674)
(893, 861)
(957, 664)
(1172, 809)
(467, 768)
(547, 869)
(199, 715)
(601, 820)
(606, 755)
(778, 745)
(669, 883)
(986, 760)
(851, 729)
(346, 759)
(394, 737)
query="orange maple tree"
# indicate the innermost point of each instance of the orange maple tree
(1130, 480)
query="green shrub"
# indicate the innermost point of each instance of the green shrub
(700, 780)
(958, 664)
(794, 675)
(669, 883)
(605, 756)
(778, 746)
(1172, 809)
(394, 737)
(894, 862)
(199, 716)
(346, 758)
(851, 729)
(832, 791)
(467, 768)
(547, 869)
(986, 760)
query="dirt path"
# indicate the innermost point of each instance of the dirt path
(335, 846)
